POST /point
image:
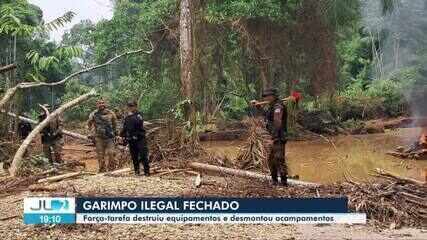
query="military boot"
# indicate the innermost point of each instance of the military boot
(284, 180)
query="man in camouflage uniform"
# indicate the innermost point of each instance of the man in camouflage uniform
(104, 122)
(276, 122)
(52, 139)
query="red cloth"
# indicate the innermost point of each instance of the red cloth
(296, 95)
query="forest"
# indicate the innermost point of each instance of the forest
(357, 67)
(345, 57)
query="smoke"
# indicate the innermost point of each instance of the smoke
(401, 34)
(400, 51)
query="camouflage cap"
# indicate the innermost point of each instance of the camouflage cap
(100, 101)
(269, 92)
(132, 103)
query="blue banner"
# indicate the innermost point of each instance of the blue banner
(47, 218)
(211, 205)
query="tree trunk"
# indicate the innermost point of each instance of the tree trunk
(187, 64)
(7, 68)
(242, 173)
(60, 177)
(17, 160)
(7, 96)
(68, 133)
(186, 48)
(265, 74)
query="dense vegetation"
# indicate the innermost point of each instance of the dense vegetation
(348, 58)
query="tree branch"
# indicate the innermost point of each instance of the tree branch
(11, 91)
(17, 159)
(7, 68)
(7, 96)
(46, 111)
(30, 85)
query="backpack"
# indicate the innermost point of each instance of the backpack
(103, 126)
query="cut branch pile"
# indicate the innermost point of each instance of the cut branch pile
(37, 164)
(172, 149)
(10, 185)
(396, 201)
(255, 152)
(390, 202)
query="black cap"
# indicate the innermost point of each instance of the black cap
(269, 92)
(132, 104)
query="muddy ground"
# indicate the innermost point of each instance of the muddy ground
(174, 185)
(182, 184)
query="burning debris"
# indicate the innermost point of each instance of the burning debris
(417, 150)
(423, 139)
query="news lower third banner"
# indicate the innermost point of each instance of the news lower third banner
(47, 210)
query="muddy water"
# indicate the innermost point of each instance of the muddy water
(357, 156)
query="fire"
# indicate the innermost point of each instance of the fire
(423, 138)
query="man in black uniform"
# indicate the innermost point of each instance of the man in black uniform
(24, 128)
(133, 133)
(276, 122)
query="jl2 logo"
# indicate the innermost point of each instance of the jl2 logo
(50, 205)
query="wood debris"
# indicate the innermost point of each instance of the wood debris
(254, 153)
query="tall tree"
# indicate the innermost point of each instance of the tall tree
(186, 54)
(186, 48)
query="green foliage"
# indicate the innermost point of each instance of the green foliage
(58, 22)
(276, 10)
(81, 34)
(74, 89)
(37, 58)
(381, 98)
(13, 18)
(235, 108)
(355, 60)
(226, 70)
(17, 19)
(53, 61)
(340, 13)
(127, 89)
(156, 102)
(64, 53)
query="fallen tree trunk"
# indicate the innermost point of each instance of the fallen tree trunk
(384, 173)
(17, 159)
(12, 184)
(78, 135)
(223, 135)
(7, 68)
(243, 173)
(38, 188)
(65, 132)
(7, 96)
(403, 122)
(60, 177)
(117, 172)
